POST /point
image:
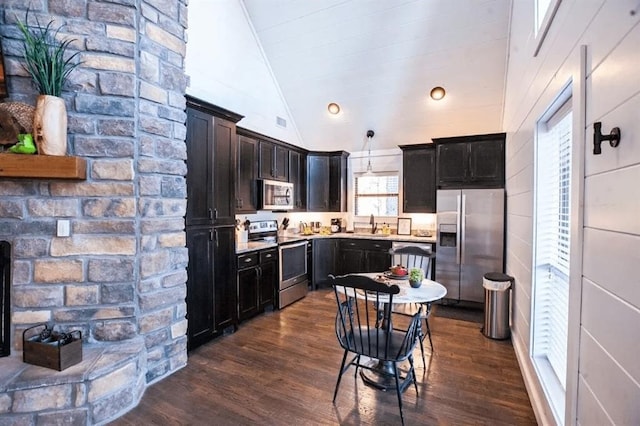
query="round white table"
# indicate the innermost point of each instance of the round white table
(382, 376)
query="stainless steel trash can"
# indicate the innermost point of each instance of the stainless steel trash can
(496, 305)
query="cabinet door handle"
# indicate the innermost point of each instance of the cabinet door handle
(269, 255)
(215, 213)
(259, 271)
(215, 237)
(210, 235)
(247, 260)
(210, 214)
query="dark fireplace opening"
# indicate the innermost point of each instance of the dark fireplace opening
(5, 291)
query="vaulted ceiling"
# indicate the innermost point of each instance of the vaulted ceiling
(379, 59)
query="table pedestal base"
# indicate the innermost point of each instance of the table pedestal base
(380, 376)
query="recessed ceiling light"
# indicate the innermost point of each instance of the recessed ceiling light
(333, 108)
(437, 93)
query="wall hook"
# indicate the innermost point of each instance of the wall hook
(613, 137)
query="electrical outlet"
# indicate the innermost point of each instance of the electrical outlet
(63, 228)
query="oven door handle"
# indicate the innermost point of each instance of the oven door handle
(293, 245)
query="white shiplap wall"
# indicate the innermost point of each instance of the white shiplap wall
(226, 67)
(608, 373)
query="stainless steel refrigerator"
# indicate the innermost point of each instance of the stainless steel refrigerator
(470, 240)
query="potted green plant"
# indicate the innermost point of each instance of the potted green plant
(416, 275)
(48, 62)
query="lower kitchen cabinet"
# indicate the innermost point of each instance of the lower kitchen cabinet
(211, 295)
(325, 255)
(364, 256)
(257, 282)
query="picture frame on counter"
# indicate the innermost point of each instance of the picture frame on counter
(404, 226)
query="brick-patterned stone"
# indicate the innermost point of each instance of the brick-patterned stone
(169, 297)
(157, 337)
(148, 108)
(169, 24)
(81, 394)
(112, 13)
(177, 100)
(121, 169)
(179, 257)
(179, 329)
(152, 284)
(83, 80)
(71, 8)
(11, 188)
(149, 67)
(153, 225)
(109, 207)
(172, 114)
(81, 295)
(120, 226)
(112, 405)
(163, 38)
(172, 78)
(175, 279)
(52, 208)
(154, 263)
(76, 417)
(21, 272)
(105, 105)
(115, 331)
(57, 271)
(116, 127)
(111, 270)
(105, 45)
(179, 131)
(77, 124)
(174, 187)
(153, 93)
(121, 33)
(149, 243)
(107, 63)
(86, 189)
(31, 316)
(5, 403)
(103, 147)
(116, 293)
(171, 149)
(12, 209)
(162, 207)
(149, 13)
(30, 247)
(158, 370)
(175, 239)
(162, 166)
(49, 397)
(37, 297)
(154, 320)
(118, 84)
(155, 126)
(93, 245)
(85, 314)
(150, 185)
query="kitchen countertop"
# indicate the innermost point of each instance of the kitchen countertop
(291, 237)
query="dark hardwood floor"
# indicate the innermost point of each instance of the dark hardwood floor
(281, 369)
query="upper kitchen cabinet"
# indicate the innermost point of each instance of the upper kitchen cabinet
(298, 177)
(274, 161)
(470, 161)
(327, 181)
(246, 173)
(211, 142)
(419, 178)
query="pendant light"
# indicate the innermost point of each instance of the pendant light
(370, 134)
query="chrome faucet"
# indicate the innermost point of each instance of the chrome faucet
(372, 222)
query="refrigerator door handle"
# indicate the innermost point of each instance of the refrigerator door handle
(463, 227)
(458, 228)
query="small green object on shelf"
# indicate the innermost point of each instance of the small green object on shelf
(25, 145)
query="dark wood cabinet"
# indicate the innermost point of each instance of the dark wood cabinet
(274, 161)
(358, 255)
(224, 277)
(327, 181)
(470, 161)
(210, 216)
(419, 178)
(325, 260)
(298, 177)
(200, 310)
(257, 282)
(246, 173)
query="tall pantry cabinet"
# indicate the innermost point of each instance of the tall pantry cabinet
(210, 221)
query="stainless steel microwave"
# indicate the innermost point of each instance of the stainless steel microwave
(276, 195)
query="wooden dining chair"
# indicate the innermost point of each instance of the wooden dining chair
(364, 327)
(415, 257)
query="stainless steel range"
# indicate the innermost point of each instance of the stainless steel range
(293, 278)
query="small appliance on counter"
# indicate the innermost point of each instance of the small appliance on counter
(336, 225)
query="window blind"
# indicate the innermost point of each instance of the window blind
(376, 194)
(551, 279)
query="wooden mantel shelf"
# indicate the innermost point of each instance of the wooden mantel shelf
(42, 167)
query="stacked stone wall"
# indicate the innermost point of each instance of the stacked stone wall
(122, 272)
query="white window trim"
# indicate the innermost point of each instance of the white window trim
(391, 220)
(540, 33)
